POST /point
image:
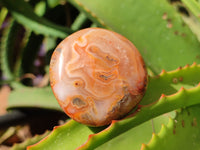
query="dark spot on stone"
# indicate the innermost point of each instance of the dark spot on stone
(110, 58)
(85, 116)
(119, 105)
(104, 77)
(58, 49)
(78, 102)
(88, 118)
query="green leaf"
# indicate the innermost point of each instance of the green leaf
(40, 8)
(181, 99)
(7, 38)
(80, 20)
(23, 96)
(164, 105)
(3, 14)
(133, 139)
(72, 130)
(12, 44)
(183, 132)
(154, 27)
(170, 82)
(68, 136)
(53, 3)
(29, 19)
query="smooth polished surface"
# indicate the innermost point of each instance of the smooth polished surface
(97, 76)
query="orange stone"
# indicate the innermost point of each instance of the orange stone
(97, 76)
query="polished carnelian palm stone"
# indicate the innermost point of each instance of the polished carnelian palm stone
(97, 76)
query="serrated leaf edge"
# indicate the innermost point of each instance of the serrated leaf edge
(155, 136)
(162, 100)
(69, 123)
(138, 117)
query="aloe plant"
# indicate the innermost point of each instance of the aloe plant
(167, 34)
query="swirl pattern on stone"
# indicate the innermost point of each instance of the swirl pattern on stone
(97, 76)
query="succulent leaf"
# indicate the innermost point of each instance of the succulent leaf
(183, 98)
(11, 49)
(177, 44)
(41, 98)
(26, 16)
(72, 132)
(185, 127)
(170, 82)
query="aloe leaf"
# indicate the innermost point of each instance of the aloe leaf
(193, 6)
(26, 16)
(133, 139)
(157, 29)
(9, 56)
(3, 14)
(183, 98)
(164, 105)
(170, 82)
(183, 132)
(40, 8)
(71, 132)
(53, 3)
(40, 98)
(5, 66)
(62, 135)
(79, 21)
(30, 141)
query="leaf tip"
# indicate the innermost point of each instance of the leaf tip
(194, 64)
(154, 136)
(162, 96)
(182, 89)
(179, 68)
(187, 66)
(163, 72)
(144, 146)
